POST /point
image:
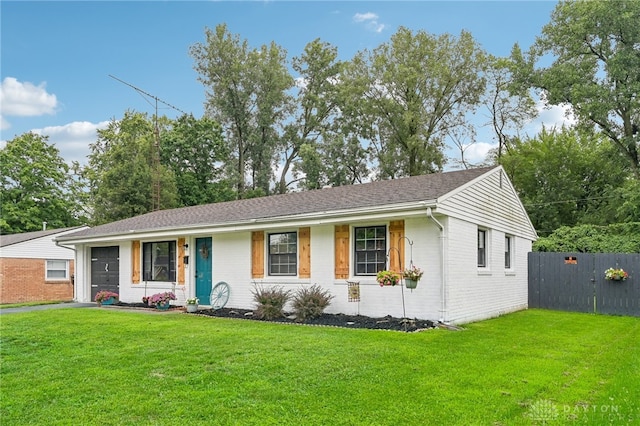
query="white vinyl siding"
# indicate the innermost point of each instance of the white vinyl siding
(490, 202)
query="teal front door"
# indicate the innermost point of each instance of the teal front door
(203, 269)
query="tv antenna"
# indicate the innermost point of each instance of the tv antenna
(155, 173)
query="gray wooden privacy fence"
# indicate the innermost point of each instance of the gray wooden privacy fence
(575, 282)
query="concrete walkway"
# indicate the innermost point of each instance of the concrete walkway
(45, 307)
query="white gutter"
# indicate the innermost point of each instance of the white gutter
(443, 309)
(58, 244)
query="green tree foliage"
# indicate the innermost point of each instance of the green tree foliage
(614, 238)
(38, 186)
(407, 95)
(122, 173)
(595, 69)
(313, 131)
(628, 207)
(195, 151)
(567, 177)
(247, 92)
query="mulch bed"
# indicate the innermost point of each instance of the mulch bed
(331, 320)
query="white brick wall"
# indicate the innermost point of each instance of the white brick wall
(476, 293)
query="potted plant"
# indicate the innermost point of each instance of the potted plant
(192, 304)
(388, 278)
(145, 300)
(411, 276)
(614, 274)
(105, 297)
(162, 300)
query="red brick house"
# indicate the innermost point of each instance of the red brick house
(33, 268)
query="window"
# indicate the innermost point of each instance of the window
(283, 253)
(507, 251)
(370, 250)
(482, 248)
(57, 269)
(159, 259)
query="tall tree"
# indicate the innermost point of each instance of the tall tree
(595, 69)
(247, 94)
(121, 169)
(37, 186)
(566, 177)
(313, 120)
(407, 95)
(195, 150)
(510, 105)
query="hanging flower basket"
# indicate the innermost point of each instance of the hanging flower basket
(411, 276)
(388, 278)
(613, 274)
(410, 283)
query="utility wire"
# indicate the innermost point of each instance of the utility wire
(568, 201)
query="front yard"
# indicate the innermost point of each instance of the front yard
(105, 366)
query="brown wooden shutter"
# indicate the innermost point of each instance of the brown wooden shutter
(304, 242)
(396, 245)
(342, 251)
(181, 261)
(135, 262)
(257, 254)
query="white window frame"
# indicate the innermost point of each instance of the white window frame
(376, 251)
(49, 268)
(485, 249)
(508, 252)
(271, 256)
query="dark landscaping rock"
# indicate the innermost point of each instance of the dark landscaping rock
(332, 320)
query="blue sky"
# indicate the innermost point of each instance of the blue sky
(56, 56)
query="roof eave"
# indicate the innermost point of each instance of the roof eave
(414, 208)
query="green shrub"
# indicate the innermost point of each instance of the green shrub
(270, 301)
(310, 302)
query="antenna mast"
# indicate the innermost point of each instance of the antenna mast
(155, 173)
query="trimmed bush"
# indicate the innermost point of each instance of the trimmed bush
(310, 302)
(270, 301)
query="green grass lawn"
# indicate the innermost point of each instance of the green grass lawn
(111, 366)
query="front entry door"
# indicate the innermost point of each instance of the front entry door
(105, 269)
(203, 269)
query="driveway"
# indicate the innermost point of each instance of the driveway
(45, 307)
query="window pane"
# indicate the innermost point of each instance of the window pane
(507, 252)
(283, 249)
(370, 250)
(56, 269)
(482, 254)
(159, 260)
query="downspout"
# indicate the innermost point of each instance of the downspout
(75, 263)
(443, 309)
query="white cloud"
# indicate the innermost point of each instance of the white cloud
(4, 124)
(73, 139)
(371, 21)
(477, 152)
(25, 99)
(361, 17)
(549, 117)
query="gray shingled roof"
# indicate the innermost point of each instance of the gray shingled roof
(396, 191)
(7, 240)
